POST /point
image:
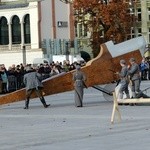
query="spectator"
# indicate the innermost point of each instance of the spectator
(4, 79)
(54, 70)
(19, 75)
(144, 66)
(12, 81)
(1, 80)
(66, 66)
(47, 71)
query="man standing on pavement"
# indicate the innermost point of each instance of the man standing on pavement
(32, 81)
(123, 84)
(135, 77)
(79, 85)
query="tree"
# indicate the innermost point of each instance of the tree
(106, 19)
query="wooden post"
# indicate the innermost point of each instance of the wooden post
(115, 108)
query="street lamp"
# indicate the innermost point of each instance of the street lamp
(67, 1)
(24, 54)
(67, 51)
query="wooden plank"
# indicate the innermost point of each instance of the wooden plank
(137, 100)
(96, 70)
(124, 101)
(115, 109)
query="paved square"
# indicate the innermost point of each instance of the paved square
(64, 127)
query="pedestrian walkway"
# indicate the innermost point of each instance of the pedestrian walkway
(65, 127)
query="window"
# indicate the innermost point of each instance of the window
(76, 30)
(80, 30)
(4, 40)
(139, 32)
(16, 30)
(149, 35)
(85, 30)
(132, 33)
(139, 14)
(27, 38)
(149, 13)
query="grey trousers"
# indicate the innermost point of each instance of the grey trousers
(78, 96)
(135, 87)
(38, 92)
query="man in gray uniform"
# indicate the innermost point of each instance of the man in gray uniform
(79, 85)
(135, 77)
(32, 81)
(123, 84)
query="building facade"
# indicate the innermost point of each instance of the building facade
(25, 23)
(145, 19)
(142, 13)
(32, 28)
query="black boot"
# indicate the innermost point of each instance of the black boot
(26, 103)
(44, 103)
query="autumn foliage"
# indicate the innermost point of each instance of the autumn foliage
(106, 20)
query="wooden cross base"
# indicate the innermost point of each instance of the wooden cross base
(124, 101)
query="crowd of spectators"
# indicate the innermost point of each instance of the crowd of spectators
(145, 69)
(11, 79)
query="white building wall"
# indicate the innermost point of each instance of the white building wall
(34, 20)
(9, 13)
(32, 10)
(46, 20)
(144, 16)
(17, 57)
(62, 15)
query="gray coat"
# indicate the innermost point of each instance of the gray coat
(79, 78)
(32, 80)
(124, 80)
(123, 74)
(134, 72)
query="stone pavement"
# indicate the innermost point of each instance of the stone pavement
(64, 127)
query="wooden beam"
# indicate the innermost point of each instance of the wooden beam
(115, 109)
(96, 70)
(136, 100)
(124, 101)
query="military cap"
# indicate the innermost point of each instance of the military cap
(122, 61)
(78, 67)
(132, 59)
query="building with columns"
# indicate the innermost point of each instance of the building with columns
(25, 23)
